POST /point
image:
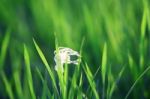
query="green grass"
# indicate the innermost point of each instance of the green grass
(4, 48)
(145, 71)
(8, 86)
(112, 37)
(104, 68)
(28, 72)
(46, 65)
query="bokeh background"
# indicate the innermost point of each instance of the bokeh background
(123, 24)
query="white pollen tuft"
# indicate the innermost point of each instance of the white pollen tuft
(63, 56)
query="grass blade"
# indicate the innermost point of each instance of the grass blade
(104, 63)
(91, 81)
(4, 48)
(46, 65)
(17, 80)
(28, 71)
(79, 94)
(8, 86)
(130, 90)
(142, 40)
(45, 91)
(114, 82)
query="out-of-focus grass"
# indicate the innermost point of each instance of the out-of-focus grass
(4, 48)
(124, 25)
(104, 67)
(8, 86)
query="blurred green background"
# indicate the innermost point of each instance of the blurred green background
(123, 24)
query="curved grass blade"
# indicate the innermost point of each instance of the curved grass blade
(130, 90)
(113, 82)
(46, 65)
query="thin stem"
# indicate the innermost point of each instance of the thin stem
(130, 90)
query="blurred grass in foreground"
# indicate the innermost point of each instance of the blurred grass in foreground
(115, 31)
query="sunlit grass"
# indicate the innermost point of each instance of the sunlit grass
(112, 38)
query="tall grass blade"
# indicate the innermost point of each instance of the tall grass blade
(46, 65)
(73, 86)
(142, 40)
(28, 71)
(79, 94)
(104, 63)
(18, 86)
(4, 48)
